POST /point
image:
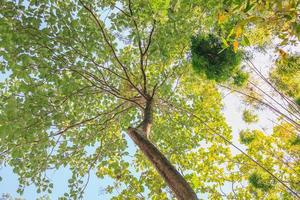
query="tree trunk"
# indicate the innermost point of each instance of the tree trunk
(172, 177)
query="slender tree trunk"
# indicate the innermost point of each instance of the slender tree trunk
(172, 177)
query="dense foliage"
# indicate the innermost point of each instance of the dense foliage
(210, 57)
(75, 87)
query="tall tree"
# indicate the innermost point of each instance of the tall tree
(83, 73)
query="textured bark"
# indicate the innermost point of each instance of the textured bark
(172, 177)
(148, 119)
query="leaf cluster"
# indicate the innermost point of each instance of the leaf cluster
(211, 58)
(249, 116)
(260, 181)
(240, 78)
(247, 136)
(279, 153)
(285, 76)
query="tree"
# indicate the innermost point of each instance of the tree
(87, 74)
(76, 82)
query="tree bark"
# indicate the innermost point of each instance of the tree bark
(148, 119)
(172, 177)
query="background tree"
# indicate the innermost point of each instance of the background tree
(249, 116)
(285, 76)
(234, 30)
(281, 151)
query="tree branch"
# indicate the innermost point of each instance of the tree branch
(140, 48)
(111, 47)
(150, 38)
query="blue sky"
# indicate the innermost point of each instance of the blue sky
(60, 180)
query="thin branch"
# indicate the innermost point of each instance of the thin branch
(293, 122)
(265, 93)
(86, 120)
(125, 13)
(150, 38)
(290, 102)
(111, 47)
(140, 48)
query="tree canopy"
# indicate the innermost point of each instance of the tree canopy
(84, 75)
